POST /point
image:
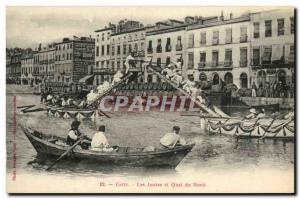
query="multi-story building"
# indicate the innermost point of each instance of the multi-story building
(74, 59)
(27, 67)
(272, 46)
(129, 38)
(218, 50)
(8, 63)
(102, 54)
(165, 43)
(46, 62)
(15, 66)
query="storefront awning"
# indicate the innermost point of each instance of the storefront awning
(85, 79)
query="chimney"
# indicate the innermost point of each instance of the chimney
(230, 16)
(222, 16)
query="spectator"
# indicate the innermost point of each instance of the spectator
(275, 89)
(254, 90)
(271, 90)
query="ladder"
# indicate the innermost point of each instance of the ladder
(96, 101)
(202, 106)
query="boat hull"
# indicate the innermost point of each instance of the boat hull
(161, 158)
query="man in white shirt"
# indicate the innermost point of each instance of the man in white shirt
(99, 141)
(170, 140)
(128, 61)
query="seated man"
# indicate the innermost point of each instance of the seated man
(262, 114)
(168, 71)
(83, 103)
(64, 102)
(170, 140)
(74, 134)
(253, 114)
(177, 78)
(99, 141)
(129, 61)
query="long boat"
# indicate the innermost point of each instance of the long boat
(263, 128)
(54, 146)
(72, 112)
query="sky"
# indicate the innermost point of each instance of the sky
(29, 26)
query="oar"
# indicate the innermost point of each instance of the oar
(65, 153)
(103, 113)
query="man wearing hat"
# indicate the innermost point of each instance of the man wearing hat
(253, 114)
(99, 141)
(74, 134)
(170, 140)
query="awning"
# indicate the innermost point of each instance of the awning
(85, 79)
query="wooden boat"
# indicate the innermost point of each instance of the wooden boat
(264, 128)
(72, 112)
(273, 107)
(51, 146)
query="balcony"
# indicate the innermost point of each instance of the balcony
(243, 63)
(158, 49)
(168, 48)
(149, 50)
(178, 47)
(201, 64)
(228, 63)
(243, 38)
(215, 41)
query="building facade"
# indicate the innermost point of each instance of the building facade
(273, 46)
(129, 38)
(27, 67)
(46, 62)
(218, 50)
(74, 59)
(102, 54)
(165, 43)
(15, 64)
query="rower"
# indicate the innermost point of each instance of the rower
(253, 114)
(82, 103)
(117, 77)
(74, 134)
(99, 141)
(170, 140)
(177, 78)
(168, 71)
(64, 102)
(261, 114)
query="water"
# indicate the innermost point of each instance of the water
(215, 155)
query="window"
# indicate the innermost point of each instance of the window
(168, 60)
(202, 59)
(228, 38)
(142, 45)
(203, 38)
(102, 50)
(191, 41)
(228, 57)
(135, 47)
(292, 54)
(102, 64)
(168, 45)
(243, 37)
(70, 56)
(256, 30)
(159, 48)
(118, 49)
(97, 51)
(158, 62)
(130, 48)
(179, 44)
(215, 40)
(280, 26)
(107, 49)
(102, 37)
(112, 50)
(267, 54)
(292, 25)
(113, 65)
(107, 63)
(124, 49)
(243, 57)
(149, 49)
(268, 28)
(256, 57)
(190, 60)
(118, 65)
(97, 63)
(67, 56)
(215, 58)
(70, 45)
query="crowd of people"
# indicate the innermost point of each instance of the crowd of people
(276, 89)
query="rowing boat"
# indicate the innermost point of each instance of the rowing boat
(266, 128)
(71, 112)
(54, 146)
